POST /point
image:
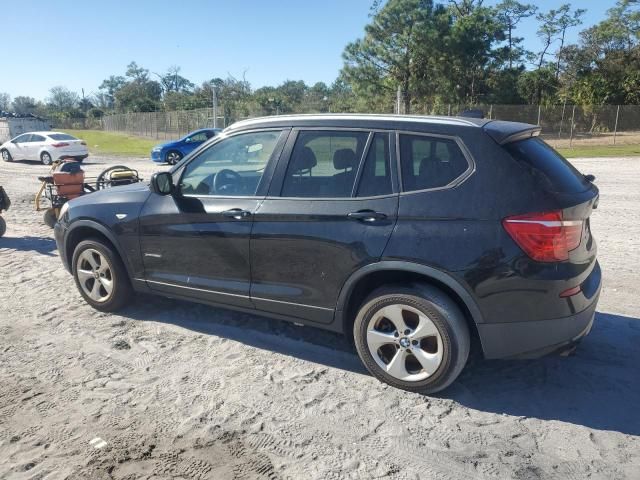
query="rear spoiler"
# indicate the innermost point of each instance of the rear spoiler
(508, 132)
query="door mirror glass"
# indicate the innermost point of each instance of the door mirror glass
(162, 183)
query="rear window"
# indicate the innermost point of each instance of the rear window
(549, 167)
(61, 136)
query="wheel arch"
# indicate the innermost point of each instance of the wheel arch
(362, 282)
(84, 229)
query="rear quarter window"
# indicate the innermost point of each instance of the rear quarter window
(430, 162)
(551, 169)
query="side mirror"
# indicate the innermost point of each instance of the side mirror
(162, 183)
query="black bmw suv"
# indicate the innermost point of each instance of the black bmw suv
(415, 235)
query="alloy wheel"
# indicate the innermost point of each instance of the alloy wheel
(6, 156)
(95, 275)
(173, 158)
(404, 342)
(46, 158)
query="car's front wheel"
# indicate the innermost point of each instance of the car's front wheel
(100, 276)
(3, 227)
(173, 157)
(414, 338)
(6, 156)
(45, 158)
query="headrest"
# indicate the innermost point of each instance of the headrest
(305, 160)
(344, 158)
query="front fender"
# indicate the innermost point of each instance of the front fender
(82, 227)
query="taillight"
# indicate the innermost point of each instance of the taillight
(545, 237)
(61, 144)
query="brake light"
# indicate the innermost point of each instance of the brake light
(60, 144)
(570, 292)
(545, 237)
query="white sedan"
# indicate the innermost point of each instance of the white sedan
(45, 147)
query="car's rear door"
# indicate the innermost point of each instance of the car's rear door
(36, 142)
(196, 243)
(331, 209)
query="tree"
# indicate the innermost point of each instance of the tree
(566, 19)
(510, 13)
(137, 73)
(110, 86)
(553, 26)
(24, 105)
(386, 58)
(173, 82)
(62, 100)
(5, 102)
(139, 96)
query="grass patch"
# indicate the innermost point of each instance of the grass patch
(109, 143)
(586, 151)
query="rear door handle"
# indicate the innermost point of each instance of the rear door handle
(366, 216)
(236, 213)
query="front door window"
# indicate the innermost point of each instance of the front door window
(231, 167)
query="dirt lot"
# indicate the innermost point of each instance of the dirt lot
(174, 390)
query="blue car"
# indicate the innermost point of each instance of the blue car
(173, 152)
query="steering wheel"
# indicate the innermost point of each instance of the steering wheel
(226, 179)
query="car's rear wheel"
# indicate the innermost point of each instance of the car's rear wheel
(45, 158)
(6, 156)
(100, 276)
(173, 157)
(3, 227)
(414, 338)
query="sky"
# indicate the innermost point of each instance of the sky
(79, 43)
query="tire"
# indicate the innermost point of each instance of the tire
(173, 157)
(95, 262)
(3, 227)
(50, 218)
(435, 334)
(45, 158)
(6, 156)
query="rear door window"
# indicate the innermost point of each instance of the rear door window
(430, 162)
(554, 172)
(324, 164)
(376, 171)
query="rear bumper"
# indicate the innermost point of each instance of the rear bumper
(535, 339)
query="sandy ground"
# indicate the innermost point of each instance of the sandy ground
(169, 389)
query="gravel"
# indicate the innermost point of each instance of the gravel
(169, 389)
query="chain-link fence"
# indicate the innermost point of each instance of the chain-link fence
(562, 125)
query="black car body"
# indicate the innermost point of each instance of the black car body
(481, 212)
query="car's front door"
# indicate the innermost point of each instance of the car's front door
(196, 242)
(330, 211)
(20, 147)
(192, 141)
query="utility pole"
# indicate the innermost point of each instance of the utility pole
(214, 96)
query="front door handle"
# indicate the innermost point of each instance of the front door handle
(236, 213)
(366, 216)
